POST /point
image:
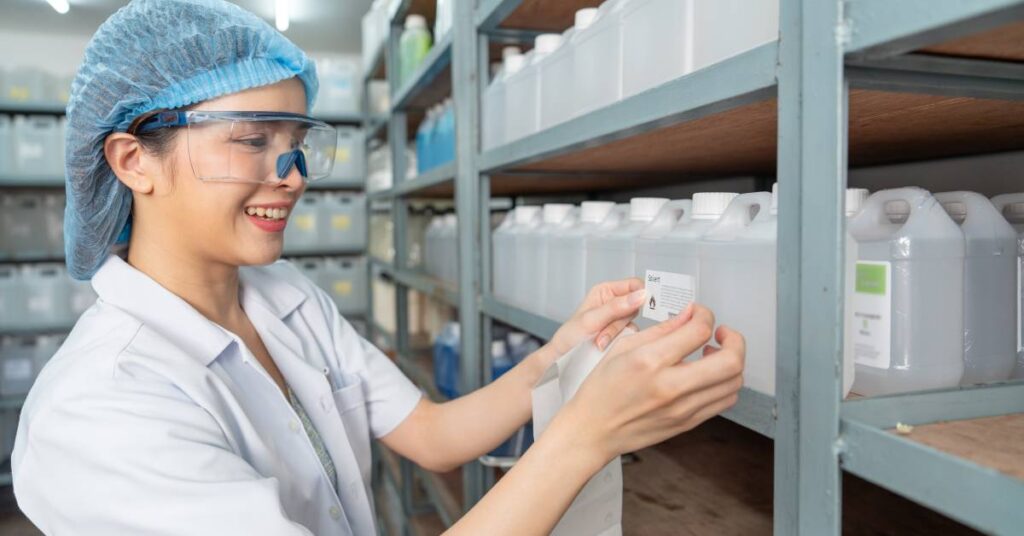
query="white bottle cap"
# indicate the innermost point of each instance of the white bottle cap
(526, 214)
(517, 338)
(645, 208)
(584, 18)
(855, 198)
(415, 21)
(498, 349)
(514, 64)
(508, 52)
(595, 211)
(451, 219)
(775, 199)
(711, 205)
(546, 43)
(556, 212)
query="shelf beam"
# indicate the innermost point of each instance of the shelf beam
(939, 405)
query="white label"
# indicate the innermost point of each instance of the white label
(18, 369)
(872, 314)
(667, 294)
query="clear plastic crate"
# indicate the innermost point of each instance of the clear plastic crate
(302, 234)
(22, 219)
(345, 279)
(343, 222)
(38, 147)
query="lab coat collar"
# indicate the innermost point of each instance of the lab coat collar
(123, 286)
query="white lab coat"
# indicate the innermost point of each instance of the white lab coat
(153, 420)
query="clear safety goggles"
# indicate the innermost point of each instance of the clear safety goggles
(254, 147)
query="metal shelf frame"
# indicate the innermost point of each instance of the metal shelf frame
(826, 48)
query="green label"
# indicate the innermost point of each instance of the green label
(872, 278)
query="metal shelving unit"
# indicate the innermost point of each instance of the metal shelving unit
(849, 83)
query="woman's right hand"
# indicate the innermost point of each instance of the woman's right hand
(643, 392)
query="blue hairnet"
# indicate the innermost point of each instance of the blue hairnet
(151, 55)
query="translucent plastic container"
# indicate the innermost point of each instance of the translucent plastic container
(990, 261)
(342, 222)
(558, 87)
(340, 86)
(6, 148)
(46, 292)
(348, 158)
(414, 45)
(565, 284)
(523, 90)
(23, 222)
(648, 244)
(532, 259)
(37, 149)
(597, 60)
(432, 246)
(494, 102)
(657, 42)
(345, 280)
(53, 226)
(611, 256)
(12, 298)
(302, 234)
(725, 28)
(908, 298)
(1012, 208)
(448, 251)
(677, 251)
(17, 365)
(504, 251)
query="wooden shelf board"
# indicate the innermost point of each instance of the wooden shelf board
(545, 15)
(1005, 43)
(995, 442)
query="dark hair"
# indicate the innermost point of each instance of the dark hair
(157, 142)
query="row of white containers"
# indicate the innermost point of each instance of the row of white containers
(616, 51)
(31, 226)
(933, 282)
(343, 278)
(32, 147)
(29, 85)
(324, 222)
(41, 296)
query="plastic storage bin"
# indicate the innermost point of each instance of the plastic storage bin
(345, 279)
(38, 147)
(908, 298)
(342, 222)
(302, 234)
(990, 261)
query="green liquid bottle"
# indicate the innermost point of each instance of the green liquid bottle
(413, 46)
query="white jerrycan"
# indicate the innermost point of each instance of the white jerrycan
(649, 247)
(610, 256)
(908, 294)
(566, 283)
(1011, 206)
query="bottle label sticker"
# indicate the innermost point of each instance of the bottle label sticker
(667, 294)
(872, 314)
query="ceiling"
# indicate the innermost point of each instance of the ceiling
(316, 25)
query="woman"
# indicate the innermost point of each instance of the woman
(212, 390)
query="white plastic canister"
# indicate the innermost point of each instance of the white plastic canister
(1012, 208)
(504, 251)
(532, 259)
(566, 283)
(648, 245)
(611, 256)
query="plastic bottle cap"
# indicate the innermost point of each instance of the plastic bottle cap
(508, 52)
(556, 212)
(584, 18)
(415, 21)
(855, 198)
(526, 214)
(514, 64)
(645, 208)
(775, 199)
(517, 338)
(451, 219)
(595, 211)
(498, 349)
(546, 43)
(711, 205)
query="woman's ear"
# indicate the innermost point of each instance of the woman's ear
(129, 162)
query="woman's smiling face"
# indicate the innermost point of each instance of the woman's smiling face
(229, 223)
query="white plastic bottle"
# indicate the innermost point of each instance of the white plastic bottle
(494, 98)
(558, 85)
(648, 245)
(908, 294)
(1011, 206)
(990, 261)
(611, 256)
(522, 90)
(448, 269)
(504, 251)
(532, 259)
(737, 267)
(565, 284)
(597, 60)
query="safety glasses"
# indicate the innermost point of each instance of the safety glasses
(253, 147)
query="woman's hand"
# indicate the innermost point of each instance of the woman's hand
(607, 309)
(643, 393)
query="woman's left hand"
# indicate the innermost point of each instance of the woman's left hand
(607, 309)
